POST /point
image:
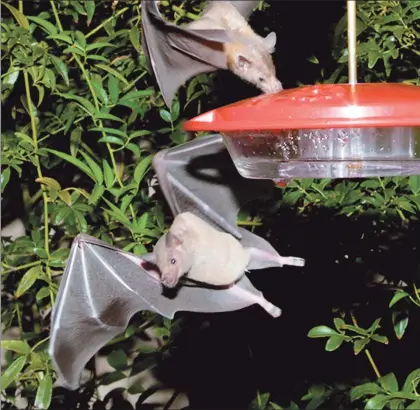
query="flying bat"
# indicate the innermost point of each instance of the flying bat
(220, 39)
(103, 286)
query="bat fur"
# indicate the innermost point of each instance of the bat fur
(194, 248)
(220, 39)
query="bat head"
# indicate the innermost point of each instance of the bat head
(172, 259)
(253, 63)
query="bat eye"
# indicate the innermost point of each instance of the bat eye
(262, 80)
(173, 261)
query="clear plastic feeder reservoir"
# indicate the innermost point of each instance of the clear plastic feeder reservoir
(322, 131)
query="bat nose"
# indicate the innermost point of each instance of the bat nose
(168, 281)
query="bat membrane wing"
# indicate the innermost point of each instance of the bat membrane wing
(200, 177)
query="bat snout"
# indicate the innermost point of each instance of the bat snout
(169, 281)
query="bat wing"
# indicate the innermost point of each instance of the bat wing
(176, 54)
(103, 287)
(245, 7)
(200, 177)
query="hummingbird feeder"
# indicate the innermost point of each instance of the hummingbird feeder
(323, 131)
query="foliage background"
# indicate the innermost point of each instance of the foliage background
(81, 120)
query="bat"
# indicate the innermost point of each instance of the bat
(220, 39)
(195, 250)
(103, 287)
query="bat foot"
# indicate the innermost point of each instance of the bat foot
(292, 261)
(271, 309)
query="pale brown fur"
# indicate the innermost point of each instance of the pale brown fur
(248, 55)
(194, 248)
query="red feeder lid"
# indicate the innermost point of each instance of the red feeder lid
(316, 107)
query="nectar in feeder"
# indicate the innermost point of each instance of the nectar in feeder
(322, 131)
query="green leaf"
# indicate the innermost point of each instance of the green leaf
(415, 405)
(18, 346)
(20, 18)
(28, 279)
(360, 344)
(377, 402)
(363, 390)
(108, 174)
(75, 140)
(389, 382)
(49, 182)
(118, 214)
(165, 115)
(98, 45)
(76, 162)
(115, 73)
(322, 331)
(46, 25)
(140, 133)
(339, 323)
(103, 116)
(108, 130)
(117, 360)
(80, 39)
(400, 322)
(399, 294)
(135, 38)
(90, 9)
(135, 95)
(142, 168)
(113, 89)
(380, 339)
(5, 177)
(291, 197)
(44, 393)
(42, 293)
(62, 37)
(86, 104)
(414, 182)
(410, 381)
(396, 404)
(175, 111)
(13, 371)
(100, 93)
(96, 169)
(97, 193)
(74, 50)
(334, 342)
(111, 140)
(313, 60)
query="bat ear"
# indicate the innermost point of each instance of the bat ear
(270, 42)
(243, 62)
(172, 240)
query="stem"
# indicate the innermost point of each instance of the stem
(96, 102)
(39, 172)
(21, 6)
(368, 355)
(27, 265)
(19, 317)
(57, 18)
(96, 29)
(39, 343)
(171, 400)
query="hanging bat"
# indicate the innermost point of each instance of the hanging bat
(220, 39)
(103, 286)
